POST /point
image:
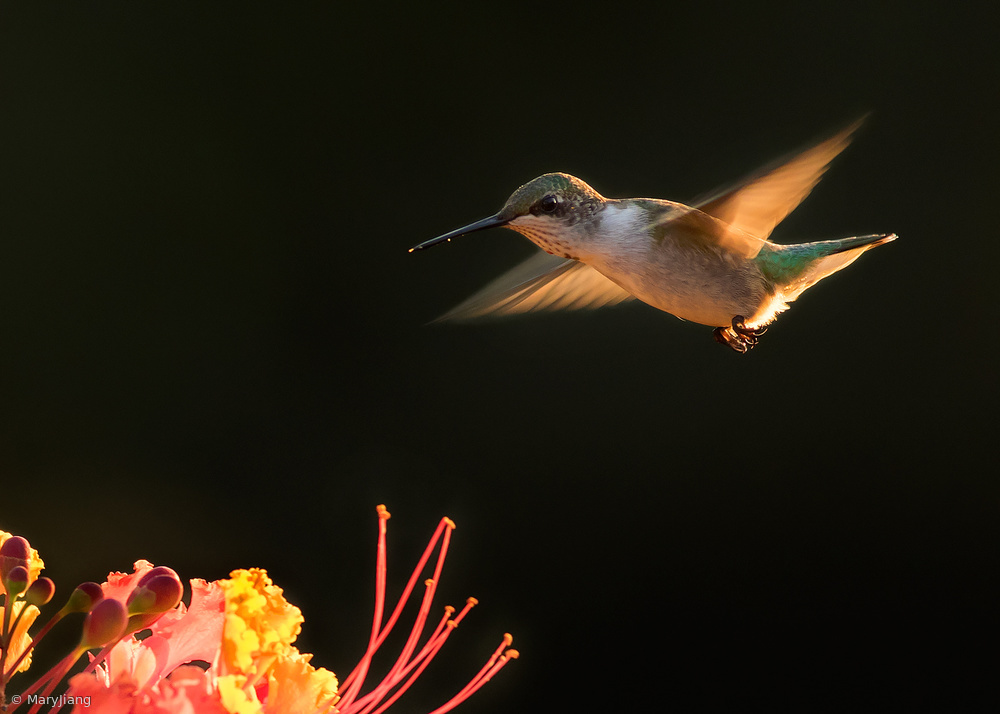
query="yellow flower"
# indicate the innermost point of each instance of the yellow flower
(35, 563)
(260, 624)
(234, 696)
(19, 638)
(296, 686)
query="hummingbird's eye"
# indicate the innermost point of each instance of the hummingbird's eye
(549, 203)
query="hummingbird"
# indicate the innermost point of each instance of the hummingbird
(709, 262)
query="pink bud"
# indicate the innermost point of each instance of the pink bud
(104, 624)
(84, 597)
(157, 594)
(15, 551)
(15, 581)
(40, 592)
(16, 547)
(157, 572)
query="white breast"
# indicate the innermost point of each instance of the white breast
(704, 286)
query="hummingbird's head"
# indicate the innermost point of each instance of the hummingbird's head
(541, 209)
(551, 196)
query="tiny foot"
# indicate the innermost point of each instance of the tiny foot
(725, 336)
(738, 336)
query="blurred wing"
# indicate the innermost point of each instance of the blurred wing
(698, 231)
(543, 282)
(761, 201)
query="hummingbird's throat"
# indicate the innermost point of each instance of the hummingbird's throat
(544, 239)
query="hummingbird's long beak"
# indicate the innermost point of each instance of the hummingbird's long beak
(491, 222)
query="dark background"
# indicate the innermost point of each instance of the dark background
(213, 349)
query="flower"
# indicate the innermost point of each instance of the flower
(260, 624)
(242, 632)
(259, 665)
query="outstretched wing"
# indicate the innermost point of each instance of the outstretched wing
(761, 201)
(543, 282)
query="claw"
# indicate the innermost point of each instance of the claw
(739, 337)
(725, 336)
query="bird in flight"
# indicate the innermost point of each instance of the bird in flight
(710, 262)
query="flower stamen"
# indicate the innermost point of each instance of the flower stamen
(408, 667)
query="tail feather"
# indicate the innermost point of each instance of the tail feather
(831, 256)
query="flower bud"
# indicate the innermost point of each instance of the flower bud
(15, 581)
(158, 594)
(83, 598)
(104, 624)
(15, 551)
(157, 572)
(40, 592)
